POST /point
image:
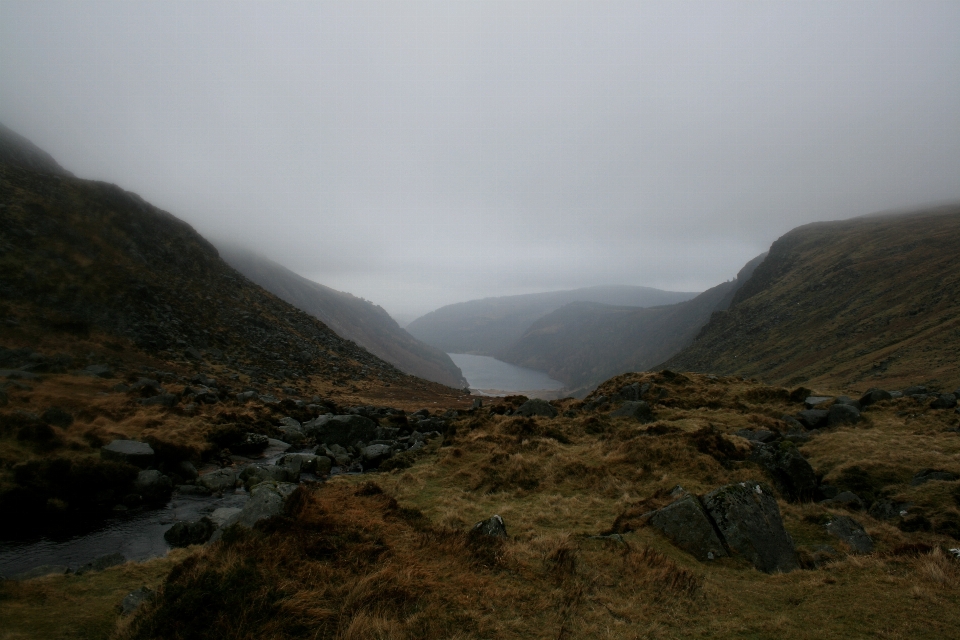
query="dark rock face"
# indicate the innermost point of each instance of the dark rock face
(790, 471)
(842, 414)
(687, 525)
(492, 526)
(944, 401)
(748, 518)
(873, 396)
(184, 534)
(153, 486)
(850, 531)
(813, 418)
(139, 454)
(638, 410)
(537, 407)
(342, 430)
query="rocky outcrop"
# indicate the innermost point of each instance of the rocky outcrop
(689, 527)
(537, 407)
(851, 532)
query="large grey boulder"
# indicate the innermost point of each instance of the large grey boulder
(257, 473)
(748, 518)
(266, 500)
(492, 526)
(944, 401)
(637, 409)
(343, 430)
(687, 525)
(153, 486)
(850, 531)
(220, 480)
(537, 407)
(374, 454)
(139, 454)
(184, 534)
(223, 514)
(812, 418)
(789, 470)
(840, 414)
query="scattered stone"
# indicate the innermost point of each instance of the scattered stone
(790, 471)
(813, 418)
(944, 401)
(842, 414)
(812, 401)
(218, 481)
(101, 563)
(133, 600)
(153, 486)
(687, 525)
(874, 396)
(344, 430)
(932, 474)
(851, 532)
(139, 454)
(748, 518)
(492, 526)
(184, 534)
(846, 499)
(537, 407)
(638, 410)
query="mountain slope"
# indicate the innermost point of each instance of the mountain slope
(352, 318)
(489, 326)
(862, 302)
(584, 343)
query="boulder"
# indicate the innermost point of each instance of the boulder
(223, 514)
(477, 403)
(252, 444)
(812, 418)
(57, 417)
(184, 534)
(187, 470)
(792, 423)
(687, 525)
(101, 563)
(874, 396)
(638, 410)
(167, 400)
(374, 454)
(812, 401)
(257, 473)
(748, 518)
(915, 390)
(153, 486)
(850, 531)
(139, 454)
(842, 414)
(846, 499)
(537, 407)
(596, 402)
(492, 526)
(789, 470)
(629, 392)
(345, 430)
(266, 500)
(133, 600)
(850, 402)
(218, 481)
(944, 401)
(927, 475)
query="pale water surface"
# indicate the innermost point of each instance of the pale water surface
(489, 374)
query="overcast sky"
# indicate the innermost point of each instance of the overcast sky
(418, 154)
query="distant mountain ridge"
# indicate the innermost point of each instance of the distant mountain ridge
(584, 343)
(350, 317)
(492, 325)
(871, 301)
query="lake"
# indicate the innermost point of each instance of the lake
(490, 376)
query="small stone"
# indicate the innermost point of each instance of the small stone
(492, 526)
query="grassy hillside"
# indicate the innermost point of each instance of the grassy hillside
(872, 301)
(490, 326)
(583, 344)
(351, 317)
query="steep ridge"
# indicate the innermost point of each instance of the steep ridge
(351, 317)
(582, 343)
(490, 326)
(862, 302)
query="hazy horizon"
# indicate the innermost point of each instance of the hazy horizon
(421, 154)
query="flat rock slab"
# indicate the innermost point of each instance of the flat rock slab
(687, 525)
(748, 518)
(850, 531)
(139, 454)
